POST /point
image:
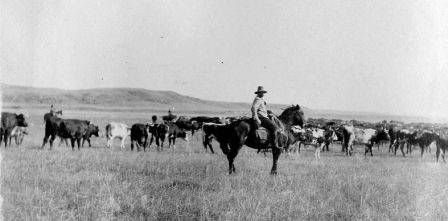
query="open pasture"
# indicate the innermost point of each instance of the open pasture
(187, 183)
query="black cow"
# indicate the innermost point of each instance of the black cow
(52, 129)
(74, 130)
(187, 124)
(8, 122)
(423, 139)
(139, 135)
(175, 132)
(159, 133)
(92, 130)
(212, 131)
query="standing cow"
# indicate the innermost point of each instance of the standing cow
(92, 130)
(186, 123)
(159, 132)
(117, 130)
(365, 136)
(18, 133)
(175, 132)
(8, 122)
(72, 129)
(139, 135)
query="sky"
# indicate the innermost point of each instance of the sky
(373, 55)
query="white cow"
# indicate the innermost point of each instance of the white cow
(119, 130)
(18, 133)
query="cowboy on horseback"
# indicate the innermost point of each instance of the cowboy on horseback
(260, 116)
(52, 110)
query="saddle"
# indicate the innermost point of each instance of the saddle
(261, 134)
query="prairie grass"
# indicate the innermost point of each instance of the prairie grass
(187, 183)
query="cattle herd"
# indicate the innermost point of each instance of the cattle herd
(319, 133)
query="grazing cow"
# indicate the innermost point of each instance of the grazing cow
(18, 133)
(139, 136)
(367, 137)
(8, 122)
(175, 132)
(117, 130)
(92, 130)
(186, 123)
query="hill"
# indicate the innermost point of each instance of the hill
(137, 99)
(116, 98)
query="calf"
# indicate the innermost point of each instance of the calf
(92, 130)
(117, 130)
(175, 132)
(18, 133)
(8, 122)
(139, 136)
(311, 137)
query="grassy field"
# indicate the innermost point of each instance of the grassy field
(189, 184)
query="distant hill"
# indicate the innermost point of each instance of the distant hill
(113, 98)
(137, 99)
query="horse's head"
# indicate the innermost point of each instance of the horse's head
(293, 115)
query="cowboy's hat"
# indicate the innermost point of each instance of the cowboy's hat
(260, 90)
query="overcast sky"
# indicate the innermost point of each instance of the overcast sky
(380, 56)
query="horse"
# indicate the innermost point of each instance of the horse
(233, 136)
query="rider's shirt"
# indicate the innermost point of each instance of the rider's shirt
(259, 107)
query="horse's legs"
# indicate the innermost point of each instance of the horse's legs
(231, 155)
(275, 155)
